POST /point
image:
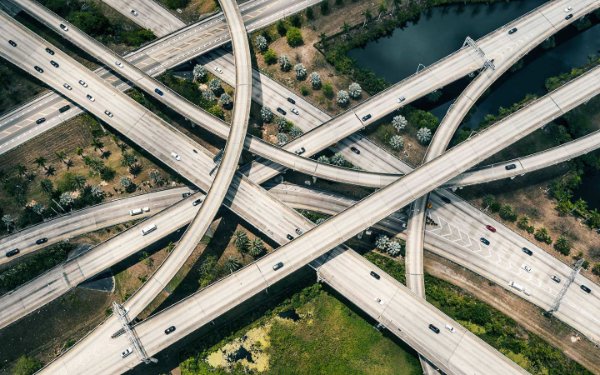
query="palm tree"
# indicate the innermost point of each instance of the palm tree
(50, 170)
(232, 264)
(61, 155)
(21, 169)
(257, 248)
(46, 186)
(97, 144)
(40, 161)
(241, 241)
(8, 221)
(79, 181)
(69, 163)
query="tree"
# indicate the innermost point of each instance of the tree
(320, 220)
(40, 161)
(338, 159)
(281, 28)
(66, 199)
(399, 122)
(343, 99)
(156, 177)
(328, 90)
(208, 95)
(215, 86)
(21, 169)
(394, 248)
(507, 213)
(232, 264)
(324, 7)
(596, 269)
(68, 163)
(241, 241)
(79, 181)
(225, 100)
(270, 57)
(283, 125)
(323, 159)
(354, 90)
(563, 245)
(310, 14)
(97, 191)
(315, 80)
(135, 169)
(199, 73)
(50, 170)
(38, 209)
(8, 221)
(541, 234)
(257, 248)
(294, 37)
(381, 242)
(26, 366)
(126, 183)
(266, 115)
(296, 20)
(47, 186)
(295, 132)
(396, 142)
(127, 159)
(97, 144)
(217, 111)
(300, 71)
(424, 135)
(282, 139)
(423, 119)
(284, 63)
(261, 43)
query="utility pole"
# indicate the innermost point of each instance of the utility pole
(135, 341)
(487, 63)
(563, 291)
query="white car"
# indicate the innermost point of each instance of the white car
(401, 99)
(82, 83)
(450, 328)
(527, 268)
(295, 111)
(568, 9)
(175, 156)
(379, 301)
(119, 64)
(218, 69)
(67, 86)
(91, 98)
(126, 352)
(108, 113)
(134, 12)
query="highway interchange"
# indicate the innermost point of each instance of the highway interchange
(535, 116)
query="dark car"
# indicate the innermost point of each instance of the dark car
(41, 241)
(186, 194)
(277, 266)
(40, 120)
(12, 252)
(196, 202)
(299, 231)
(300, 151)
(434, 328)
(64, 27)
(527, 251)
(513, 30)
(366, 117)
(583, 287)
(484, 241)
(355, 150)
(169, 330)
(289, 237)
(280, 110)
(555, 278)
(569, 16)
(64, 108)
(158, 91)
(49, 51)
(510, 166)
(291, 100)
(12, 43)
(491, 228)
(54, 63)
(39, 70)
(445, 200)
(375, 275)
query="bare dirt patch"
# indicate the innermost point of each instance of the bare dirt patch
(195, 10)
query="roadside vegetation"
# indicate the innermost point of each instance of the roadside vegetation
(312, 332)
(501, 332)
(101, 22)
(49, 176)
(192, 11)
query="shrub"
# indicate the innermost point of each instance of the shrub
(300, 71)
(315, 80)
(563, 245)
(324, 7)
(541, 234)
(284, 63)
(328, 90)
(261, 43)
(281, 28)
(294, 37)
(596, 269)
(217, 111)
(270, 57)
(304, 90)
(507, 213)
(343, 99)
(265, 114)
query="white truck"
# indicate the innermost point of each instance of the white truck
(148, 229)
(517, 286)
(137, 211)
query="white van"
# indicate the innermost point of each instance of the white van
(518, 287)
(148, 229)
(137, 211)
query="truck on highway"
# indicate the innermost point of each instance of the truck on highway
(148, 229)
(517, 286)
(137, 211)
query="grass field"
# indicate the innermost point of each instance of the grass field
(327, 338)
